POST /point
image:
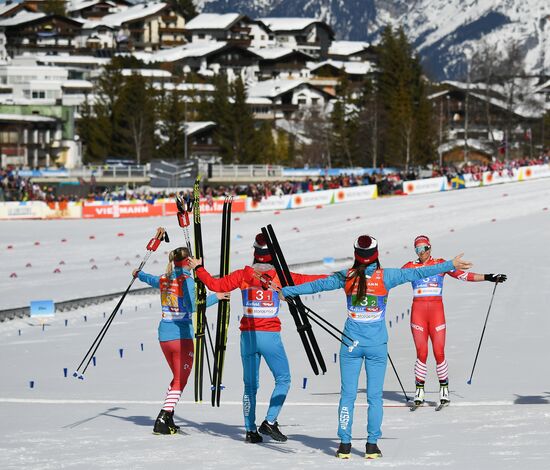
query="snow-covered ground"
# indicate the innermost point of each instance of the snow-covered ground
(501, 421)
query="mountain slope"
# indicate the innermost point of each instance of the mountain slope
(443, 31)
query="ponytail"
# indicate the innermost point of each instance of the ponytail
(179, 254)
(359, 278)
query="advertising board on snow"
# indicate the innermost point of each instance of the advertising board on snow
(22, 210)
(355, 193)
(272, 203)
(430, 185)
(314, 198)
(532, 172)
(498, 177)
(120, 210)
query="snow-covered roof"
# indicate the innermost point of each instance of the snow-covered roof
(203, 87)
(21, 18)
(272, 88)
(7, 7)
(258, 100)
(77, 84)
(351, 68)
(196, 126)
(347, 47)
(271, 53)
(212, 21)
(288, 24)
(133, 13)
(438, 94)
(77, 6)
(520, 110)
(71, 59)
(25, 118)
(185, 51)
(544, 87)
(151, 73)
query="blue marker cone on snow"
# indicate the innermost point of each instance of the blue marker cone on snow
(64, 372)
(93, 361)
(19, 332)
(85, 318)
(335, 355)
(304, 383)
(66, 322)
(142, 346)
(121, 352)
(43, 327)
(396, 318)
(135, 309)
(31, 384)
(103, 314)
(402, 315)
(390, 323)
(75, 374)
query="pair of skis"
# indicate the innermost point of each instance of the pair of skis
(185, 206)
(223, 306)
(439, 407)
(296, 307)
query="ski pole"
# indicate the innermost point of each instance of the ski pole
(185, 206)
(350, 347)
(398, 379)
(151, 247)
(482, 333)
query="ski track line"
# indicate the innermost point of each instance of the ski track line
(48, 401)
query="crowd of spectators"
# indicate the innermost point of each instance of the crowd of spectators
(16, 188)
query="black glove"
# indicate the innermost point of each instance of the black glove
(495, 277)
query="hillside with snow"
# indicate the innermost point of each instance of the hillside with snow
(444, 32)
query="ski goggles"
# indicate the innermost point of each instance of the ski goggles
(422, 249)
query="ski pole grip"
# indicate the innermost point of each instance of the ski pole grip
(183, 219)
(153, 244)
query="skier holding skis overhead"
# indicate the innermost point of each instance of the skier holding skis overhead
(366, 286)
(175, 331)
(260, 334)
(428, 318)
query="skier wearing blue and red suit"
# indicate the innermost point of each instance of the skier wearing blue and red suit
(260, 334)
(366, 286)
(428, 317)
(175, 330)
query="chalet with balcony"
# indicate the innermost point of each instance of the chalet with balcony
(33, 32)
(229, 27)
(145, 26)
(95, 10)
(281, 62)
(351, 51)
(282, 99)
(308, 35)
(206, 59)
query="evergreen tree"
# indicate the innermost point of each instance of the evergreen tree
(172, 121)
(244, 134)
(218, 109)
(54, 7)
(91, 131)
(344, 119)
(405, 118)
(185, 8)
(137, 119)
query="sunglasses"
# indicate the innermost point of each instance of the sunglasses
(422, 249)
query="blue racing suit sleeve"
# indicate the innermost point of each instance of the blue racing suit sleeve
(336, 281)
(153, 281)
(189, 288)
(394, 277)
(211, 300)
